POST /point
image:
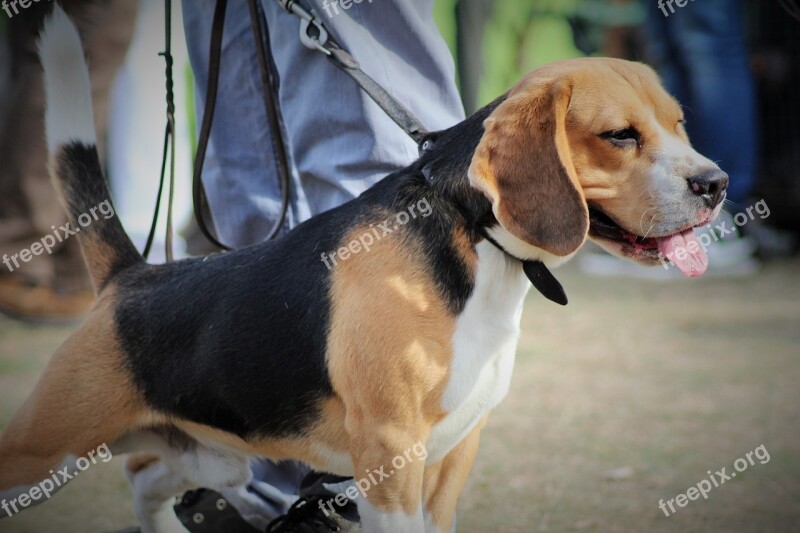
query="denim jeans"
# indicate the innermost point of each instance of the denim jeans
(701, 54)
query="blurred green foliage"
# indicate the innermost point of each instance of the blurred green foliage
(522, 35)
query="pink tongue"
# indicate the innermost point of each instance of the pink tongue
(684, 250)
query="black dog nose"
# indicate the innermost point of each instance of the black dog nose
(710, 185)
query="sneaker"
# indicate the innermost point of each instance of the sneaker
(772, 242)
(305, 516)
(317, 511)
(207, 511)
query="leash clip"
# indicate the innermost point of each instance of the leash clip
(309, 40)
(315, 40)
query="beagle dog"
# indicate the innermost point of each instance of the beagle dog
(199, 365)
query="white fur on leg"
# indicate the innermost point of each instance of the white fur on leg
(69, 116)
(177, 471)
(154, 489)
(430, 527)
(374, 520)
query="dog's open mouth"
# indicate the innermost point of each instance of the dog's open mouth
(681, 248)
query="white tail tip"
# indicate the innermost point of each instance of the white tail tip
(68, 91)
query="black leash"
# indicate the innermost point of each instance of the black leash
(169, 144)
(264, 50)
(315, 36)
(214, 54)
(261, 36)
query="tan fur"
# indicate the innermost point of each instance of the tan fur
(616, 179)
(84, 399)
(389, 351)
(328, 432)
(444, 481)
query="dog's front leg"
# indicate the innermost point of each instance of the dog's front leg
(389, 466)
(445, 479)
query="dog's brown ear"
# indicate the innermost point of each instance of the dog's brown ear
(523, 165)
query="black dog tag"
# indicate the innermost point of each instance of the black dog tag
(545, 282)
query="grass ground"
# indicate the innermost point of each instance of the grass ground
(627, 396)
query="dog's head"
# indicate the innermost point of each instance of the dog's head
(597, 148)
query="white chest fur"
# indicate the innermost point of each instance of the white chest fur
(484, 346)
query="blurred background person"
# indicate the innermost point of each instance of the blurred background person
(701, 54)
(49, 287)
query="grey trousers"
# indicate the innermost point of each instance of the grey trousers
(339, 142)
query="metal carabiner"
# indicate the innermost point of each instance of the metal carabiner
(315, 42)
(309, 40)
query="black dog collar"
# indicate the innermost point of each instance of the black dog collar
(539, 275)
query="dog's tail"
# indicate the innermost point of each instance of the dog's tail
(74, 164)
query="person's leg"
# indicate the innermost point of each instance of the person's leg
(239, 175)
(340, 142)
(721, 118)
(472, 16)
(662, 52)
(240, 172)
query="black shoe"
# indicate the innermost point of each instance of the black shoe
(317, 484)
(206, 511)
(305, 516)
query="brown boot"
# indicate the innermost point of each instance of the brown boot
(36, 303)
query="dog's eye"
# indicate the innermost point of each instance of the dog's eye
(622, 137)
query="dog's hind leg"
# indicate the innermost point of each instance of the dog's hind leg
(155, 484)
(177, 465)
(83, 400)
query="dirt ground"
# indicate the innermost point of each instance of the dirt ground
(629, 395)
